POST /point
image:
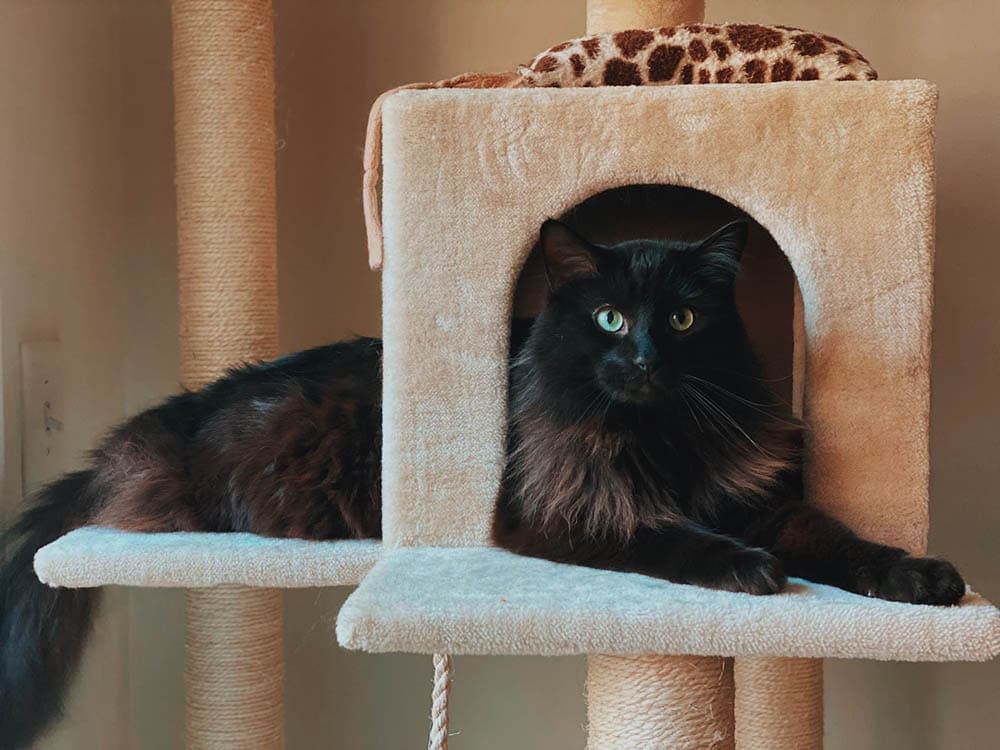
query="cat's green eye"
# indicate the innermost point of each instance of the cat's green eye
(609, 319)
(682, 318)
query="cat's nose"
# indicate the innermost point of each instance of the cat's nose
(644, 362)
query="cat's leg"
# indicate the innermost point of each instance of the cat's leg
(687, 553)
(678, 552)
(814, 546)
(682, 552)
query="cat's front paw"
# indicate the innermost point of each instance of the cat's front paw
(919, 580)
(751, 571)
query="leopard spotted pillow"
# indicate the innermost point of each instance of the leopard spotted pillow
(698, 53)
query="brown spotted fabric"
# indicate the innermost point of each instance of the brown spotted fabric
(695, 53)
(691, 53)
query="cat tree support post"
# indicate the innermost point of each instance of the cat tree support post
(616, 15)
(227, 265)
(688, 701)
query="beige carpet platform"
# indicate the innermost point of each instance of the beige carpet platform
(488, 601)
(93, 556)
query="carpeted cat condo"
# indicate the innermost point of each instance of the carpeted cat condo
(840, 173)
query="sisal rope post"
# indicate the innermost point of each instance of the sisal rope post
(443, 676)
(235, 670)
(779, 703)
(618, 15)
(658, 702)
(227, 267)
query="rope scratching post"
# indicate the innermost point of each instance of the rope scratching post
(687, 702)
(779, 703)
(617, 15)
(227, 265)
(659, 702)
(235, 668)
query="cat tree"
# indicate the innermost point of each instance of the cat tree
(840, 174)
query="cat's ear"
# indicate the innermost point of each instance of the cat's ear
(722, 250)
(567, 255)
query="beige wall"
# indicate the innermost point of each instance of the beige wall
(68, 260)
(86, 255)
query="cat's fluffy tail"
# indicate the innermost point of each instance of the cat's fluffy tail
(42, 629)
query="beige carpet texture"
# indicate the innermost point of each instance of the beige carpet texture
(490, 601)
(840, 174)
(92, 556)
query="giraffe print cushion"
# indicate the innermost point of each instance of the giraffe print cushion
(697, 53)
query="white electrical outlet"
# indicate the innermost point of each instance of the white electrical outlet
(42, 413)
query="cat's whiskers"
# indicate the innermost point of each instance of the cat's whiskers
(601, 400)
(710, 403)
(748, 376)
(687, 403)
(608, 403)
(766, 382)
(755, 405)
(726, 391)
(709, 415)
(591, 406)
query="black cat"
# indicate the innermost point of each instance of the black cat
(642, 438)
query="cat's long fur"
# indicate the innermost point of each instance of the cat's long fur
(652, 450)
(286, 448)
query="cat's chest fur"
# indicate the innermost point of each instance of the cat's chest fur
(608, 477)
(598, 478)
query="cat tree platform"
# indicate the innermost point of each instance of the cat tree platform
(90, 557)
(489, 601)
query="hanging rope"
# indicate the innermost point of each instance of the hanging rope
(439, 703)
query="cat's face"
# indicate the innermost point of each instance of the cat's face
(630, 323)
